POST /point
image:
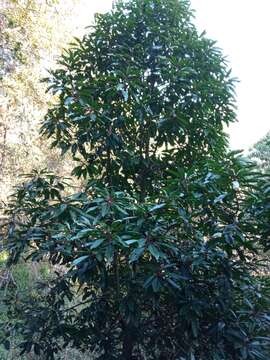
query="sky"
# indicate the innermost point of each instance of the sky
(242, 29)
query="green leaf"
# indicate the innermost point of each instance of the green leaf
(80, 259)
(173, 283)
(148, 281)
(136, 254)
(129, 242)
(104, 210)
(156, 285)
(154, 251)
(109, 253)
(120, 209)
(95, 244)
(83, 233)
(220, 198)
(157, 207)
(59, 211)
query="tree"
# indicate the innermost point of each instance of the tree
(148, 102)
(33, 34)
(158, 253)
(260, 152)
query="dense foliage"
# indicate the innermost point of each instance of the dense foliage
(159, 257)
(139, 95)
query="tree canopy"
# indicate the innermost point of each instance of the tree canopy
(139, 95)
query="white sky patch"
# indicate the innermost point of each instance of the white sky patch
(242, 29)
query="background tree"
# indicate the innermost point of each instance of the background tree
(260, 152)
(32, 35)
(159, 252)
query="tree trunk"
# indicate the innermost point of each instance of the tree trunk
(128, 343)
(3, 155)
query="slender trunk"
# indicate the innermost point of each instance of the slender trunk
(128, 344)
(3, 155)
(108, 168)
(117, 278)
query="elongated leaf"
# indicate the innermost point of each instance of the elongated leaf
(80, 259)
(95, 244)
(157, 207)
(154, 251)
(136, 254)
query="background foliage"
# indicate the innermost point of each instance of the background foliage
(32, 35)
(260, 152)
